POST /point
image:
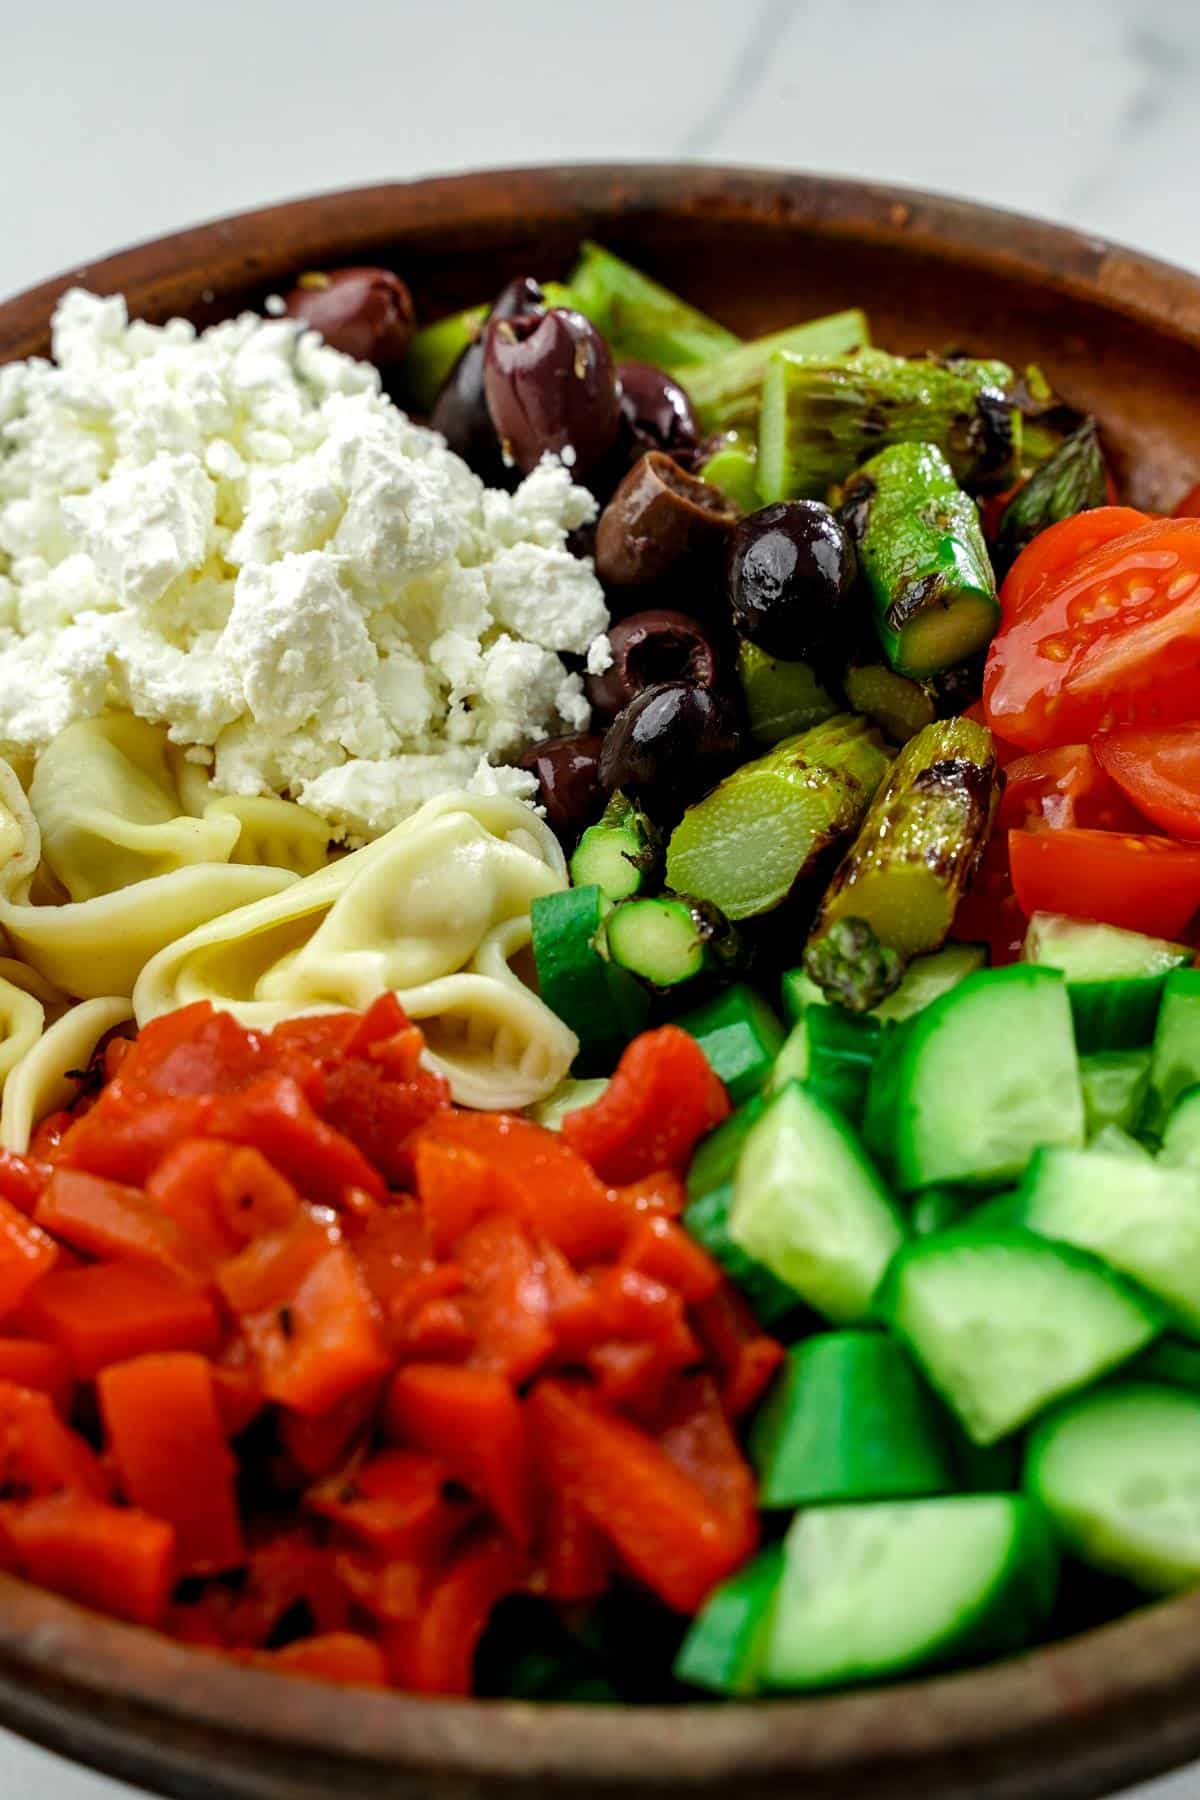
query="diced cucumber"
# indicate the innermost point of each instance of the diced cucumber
(926, 979)
(890, 1587)
(1114, 978)
(621, 853)
(967, 1089)
(1118, 1471)
(710, 1197)
(848, 1419)
(792, 1062)
(1004, 1322)
(939, 1208)
(603, 1006)
(740, 1036)
(1175, 1057)
(842, 1051)
(1114, 1084)
(1181, 1137)
(1138, 1217)
(1172, 1360)
(1112, 1141)
(808, 1204)
(724, 1649)
(567, 1097)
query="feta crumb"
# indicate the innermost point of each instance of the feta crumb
(235, 532)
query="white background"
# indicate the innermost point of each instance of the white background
(120, 119)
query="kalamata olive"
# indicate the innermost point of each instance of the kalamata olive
(790, 570)
(656, 413)
(367, 313)
(669, 745)
(460, 411)
(649, 648)
(658, 517)
(568, 777)
(551, 385)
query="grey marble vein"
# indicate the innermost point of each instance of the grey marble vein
(742, 78)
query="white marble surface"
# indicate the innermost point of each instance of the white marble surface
(124, 119)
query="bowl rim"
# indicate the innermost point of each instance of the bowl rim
(129, 1691)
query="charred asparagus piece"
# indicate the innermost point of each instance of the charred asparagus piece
(922, 554)
(919, 843)
(1072, 481)
(821, 418)
(745, 845)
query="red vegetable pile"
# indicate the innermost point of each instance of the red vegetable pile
(281, 1325)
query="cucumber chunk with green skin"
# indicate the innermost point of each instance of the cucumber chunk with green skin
(1140, 1218)
(821, 418)
(727, 391)
(926, 979)
(642, 320)
(1111, 1140)
(715, 1159)
(1004, 1322)
(1118, 1471)
(724, 1648)
(842, 1050)
(966, 1090)
(567, 1097)
(781, 698)
(740, 1036)
(1172, 1360)
(810, 1206)
(1181, 1134)
(733, 468)
(922, 555)
(745, 845)
(940, 1208)
(602, 1005)
(706, 1216)
(891, 1587)
(1175, 1053)
(792, 1062)
(1114, 1085)
(1115, 978)
(848, 1418)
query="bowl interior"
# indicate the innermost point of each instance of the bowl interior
(1119, 336)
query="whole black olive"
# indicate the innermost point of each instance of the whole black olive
(670, 745)
(568, 778)
(790, 570)
(656, 413)
(460, 411)
(365, 312)
(649, 648)
(551, 386)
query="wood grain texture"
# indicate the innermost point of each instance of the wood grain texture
(1120, 335)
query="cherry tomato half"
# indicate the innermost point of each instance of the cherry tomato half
(1064, 787)
(1055, 551)
(1115, 641)
(1160, 772)
(1141, 883)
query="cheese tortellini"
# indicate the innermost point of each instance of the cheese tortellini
(436, 911)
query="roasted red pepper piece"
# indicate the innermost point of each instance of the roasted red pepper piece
(114, 1558)
(26, 1256)
(472, 1420)
(663, 1098)
(435, 1654)
(110, 1311)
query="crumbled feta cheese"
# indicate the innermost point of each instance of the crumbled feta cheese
(235, 533)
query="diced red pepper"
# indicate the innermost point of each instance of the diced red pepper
(344, 1656)
(194, 1051)
(694, 1431)
(318, 1445)
(273, 1115)
(165, 1432)
(576, 1559)
(126, 1140)
(114, 1558)
(380, 1114)
(396, 1505)
(22, 1179)
(29, 1364)
(38, 1453)
(663, 1098)
(111, 1311)
(108, 1219)
(435, 1654)
(509, 1304)
(667, 1254)
(662, 1524)
(26, 1256)
(744, 1356)
(472, 1420)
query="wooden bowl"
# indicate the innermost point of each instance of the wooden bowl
(1119, 335)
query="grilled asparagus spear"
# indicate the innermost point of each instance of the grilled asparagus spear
(1072, 481)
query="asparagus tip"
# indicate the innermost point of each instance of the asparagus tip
(852, 967)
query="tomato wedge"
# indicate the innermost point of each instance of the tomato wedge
(1055, 551)
(1141, 883)
(1114, 641)
(1160, 772)
(1064, 787)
